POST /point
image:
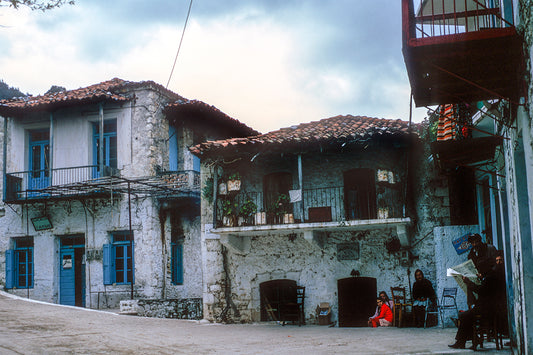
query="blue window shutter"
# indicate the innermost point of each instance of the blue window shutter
(133, 261)
(179, 264)
(172, 149)
(109, 264)
(195, 163)
(10, 268)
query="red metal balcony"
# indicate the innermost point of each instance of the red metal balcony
(461, 51)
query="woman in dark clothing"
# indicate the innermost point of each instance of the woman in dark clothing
(422, 290)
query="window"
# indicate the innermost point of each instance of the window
(109, 144)
(462, 190)
(19, 264)
(118, 262)
(360, 194)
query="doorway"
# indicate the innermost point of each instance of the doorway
(360, 194)
(72, 271)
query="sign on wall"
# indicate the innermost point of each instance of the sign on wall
(41, 223)
(461, 244)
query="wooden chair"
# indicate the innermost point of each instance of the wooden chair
(399, 299)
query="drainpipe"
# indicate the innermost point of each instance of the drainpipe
(215, 190)
(51, 152)
(4, 167)
(101, 140)
(300, 184)
(132, 242)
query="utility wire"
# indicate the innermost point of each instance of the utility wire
(179, 47)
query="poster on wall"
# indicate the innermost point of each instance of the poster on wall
(461, 244)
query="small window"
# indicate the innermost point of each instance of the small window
(119, 267)
(19, 264)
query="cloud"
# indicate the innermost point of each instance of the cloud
(268, 63)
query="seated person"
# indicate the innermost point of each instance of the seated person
(483, 256)
(385, 298)
(422, 291)
(491, 293)
(384, 319)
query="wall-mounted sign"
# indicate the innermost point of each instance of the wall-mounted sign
(461, 244)
(348, 251)
(41, 223)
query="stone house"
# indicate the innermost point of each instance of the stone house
(484, 62)
(101, 196)
(338, 209)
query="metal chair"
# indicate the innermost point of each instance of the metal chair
(431, 308)
(448, 302)
(400, 303)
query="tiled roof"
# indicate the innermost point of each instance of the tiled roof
(108, 90)
(338, 129)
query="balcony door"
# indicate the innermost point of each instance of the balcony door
(360, 194)
(274, 185)
(109, 146)
(39, 160)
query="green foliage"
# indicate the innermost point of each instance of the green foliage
(230, 208)
(36, 4)
(54, 88)
(207, 190)
(234, 176)
(248, 208)
(7, 92)
(282, 204)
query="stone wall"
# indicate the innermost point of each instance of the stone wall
(188, 308)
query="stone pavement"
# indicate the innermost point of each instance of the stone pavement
(30, 327)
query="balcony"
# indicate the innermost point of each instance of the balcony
(312, 212)
(56, 183)
(87, 181)
(461, 51)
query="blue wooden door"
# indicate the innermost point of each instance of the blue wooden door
(39, 165)
(67, 277)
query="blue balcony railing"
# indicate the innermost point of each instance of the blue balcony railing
(50, 183)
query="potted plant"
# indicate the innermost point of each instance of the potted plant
(247, 210)
(283, 209)
(229, 211)
(234, 182)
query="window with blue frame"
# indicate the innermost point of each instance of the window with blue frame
(19, 264)
(176, 247)
(109, 144)
(119, 263)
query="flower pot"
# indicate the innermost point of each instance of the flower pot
(383, 212)
(228, 221)
(234, 185)
(222, 189)
(260, 218)
(288, 218)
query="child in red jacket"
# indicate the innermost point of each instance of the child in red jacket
(384, 318)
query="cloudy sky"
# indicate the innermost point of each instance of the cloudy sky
(267, 63)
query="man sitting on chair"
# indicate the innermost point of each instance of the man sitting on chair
(491, 293)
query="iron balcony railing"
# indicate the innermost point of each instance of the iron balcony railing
(329, 204)
(48, 183)
(448, 17)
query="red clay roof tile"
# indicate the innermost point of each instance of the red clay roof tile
(333, 129)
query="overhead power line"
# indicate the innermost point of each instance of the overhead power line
(181, 41)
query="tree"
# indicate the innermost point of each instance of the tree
(54, 88)
(42, 5)
(7, 92)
